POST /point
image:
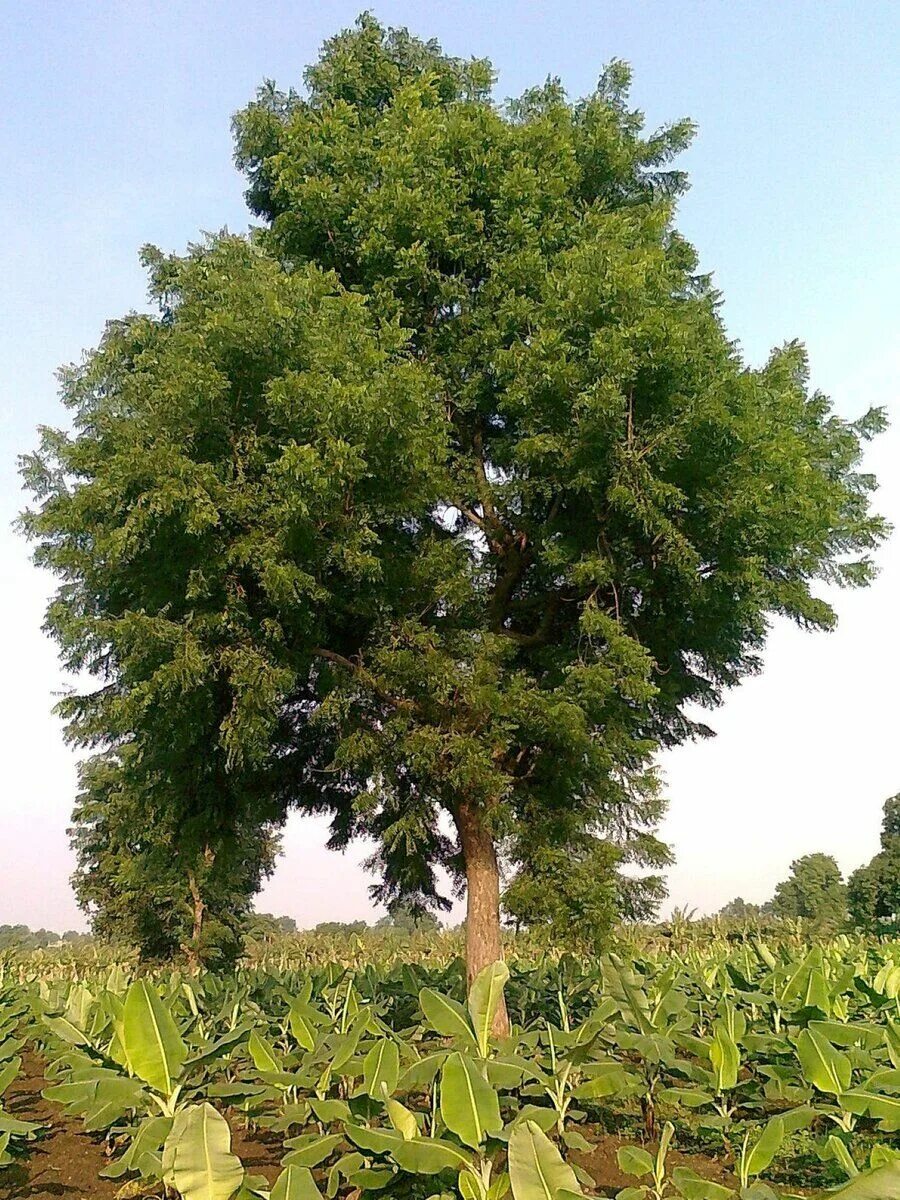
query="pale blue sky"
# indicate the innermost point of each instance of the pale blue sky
(115, 132)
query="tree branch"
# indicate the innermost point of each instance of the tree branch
(365, 675)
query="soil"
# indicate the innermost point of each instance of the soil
(603, 1168)
(63, 1161)
(260, 1152)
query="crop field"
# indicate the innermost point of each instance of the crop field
(700, 1069)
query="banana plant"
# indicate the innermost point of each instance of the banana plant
(464, 1129)
(13, 1132)
(638, 1162)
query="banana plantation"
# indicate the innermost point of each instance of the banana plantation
(702, 1069)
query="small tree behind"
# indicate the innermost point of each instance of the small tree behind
(740, 909)
(814, 891)
(873, 891)
(576, 893)
(145, 881)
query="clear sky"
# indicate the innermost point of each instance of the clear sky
(115, 132)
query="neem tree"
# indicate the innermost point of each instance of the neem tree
(448, 492)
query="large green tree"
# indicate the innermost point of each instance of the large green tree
(873, 891)
(449, 488)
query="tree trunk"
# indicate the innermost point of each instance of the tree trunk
(483, 944)
(193, 947)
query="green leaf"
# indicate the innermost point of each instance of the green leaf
(302, 1028)
(309, 1151)
(447, 1017)
(836, 1150)
(402, 1119)
(429, 1156)
(198, 1150)
(9, 1073)
(419, 1075)
(485, 996)
(694, 1187)
(612, 1080)
(543, 1117)
(765, 1149)
(536, 1168)
(295, 1183)
(381, 1068)
(148, 1138)
(469, 1105)
(153, 1046)
(892, 1041)
(798, 1118)
(469, 1186)
(823, 1066)
(377, 1141)
(883, 1183)
(66, 1031)
(16, 1127)
(885, 1109)
(261, 1052)
(633, 1160)
(330, 1110)
(689, 1097)
(725, 1058)
(345, 1045)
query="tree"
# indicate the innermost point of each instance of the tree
(448, 489)
(146, 883)
(740, 909)
(577, 893)
(630, 503)
(265, 927)
(873, 891)
(814, 891)
(20, 937)
(404, 918)
(342, 928)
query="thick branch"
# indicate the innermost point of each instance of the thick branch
(541, 634)
(365, 676)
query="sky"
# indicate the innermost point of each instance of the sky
(116, 132)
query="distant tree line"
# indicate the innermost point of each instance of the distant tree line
(401, 919)
(816, 891)
(20, 937)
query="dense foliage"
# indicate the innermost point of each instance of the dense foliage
(145, 882)
(873, 891)
(814, 890)
(435, 504)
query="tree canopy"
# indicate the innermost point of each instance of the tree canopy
(740, 909)
(446, 494)
(873, 891)
(814, 891)
(149, 879)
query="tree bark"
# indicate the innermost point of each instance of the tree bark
(483, 942)
(199, 910)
